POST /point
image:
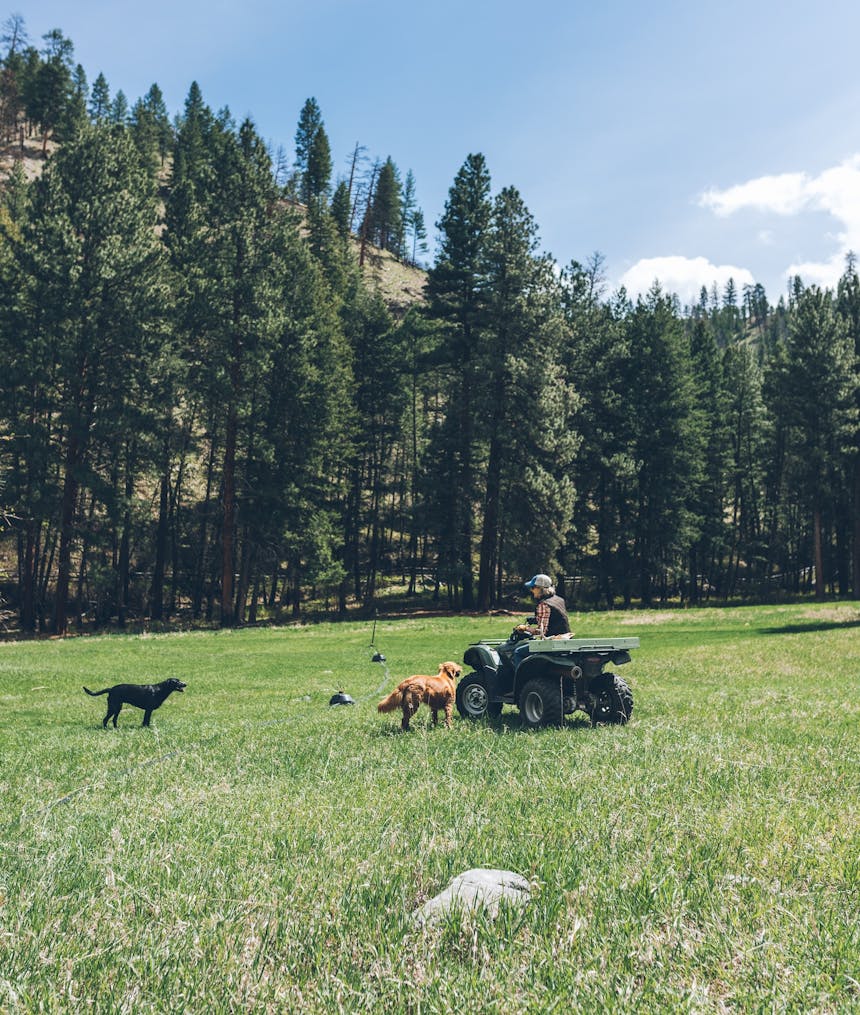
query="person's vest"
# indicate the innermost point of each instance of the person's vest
(558, 622)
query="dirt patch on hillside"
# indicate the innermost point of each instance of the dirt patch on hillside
(399, 284)
(28, 154)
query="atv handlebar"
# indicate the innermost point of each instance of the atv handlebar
(520, 633)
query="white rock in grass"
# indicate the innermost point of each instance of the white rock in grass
(474, 889)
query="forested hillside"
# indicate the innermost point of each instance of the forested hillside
(210, 409)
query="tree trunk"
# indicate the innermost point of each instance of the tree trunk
(28, 575)
(490, 534)
(67, 521)
(229, 518)
(203, 539)
(156, 598)
(464, 506)
(818, 552)
(856, 540)
(125, 545)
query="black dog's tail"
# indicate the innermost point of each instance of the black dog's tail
(95, 694)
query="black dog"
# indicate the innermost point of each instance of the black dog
(145, 696)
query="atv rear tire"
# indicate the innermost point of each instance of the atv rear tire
(541, 703)
(614, 702)
(473, 699)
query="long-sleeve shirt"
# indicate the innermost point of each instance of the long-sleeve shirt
(542, 618)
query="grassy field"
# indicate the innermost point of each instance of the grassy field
(256, 850)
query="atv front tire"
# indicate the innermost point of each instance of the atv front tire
(473, 699)
(541, 703)
(614, 701)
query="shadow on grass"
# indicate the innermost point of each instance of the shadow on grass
(508, 722)
(812, 626)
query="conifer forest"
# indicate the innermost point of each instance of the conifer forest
(210, 410)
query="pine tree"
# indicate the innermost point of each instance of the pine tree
(418, 231)
(91, 304)
(50, 85)
(150, 128)
(384, 227)
(100, 100)
(527, 495)
(664, 442)
(75, 113)
(255, 308)
(456, 288)
(604, 473)
(14, 36)
(340, 208)
(157, 109)
(848, 307)
(317, 181)
(748, 537)
(119, 109)
(706, 500)
(408, 208)
(815, 390)
(310, 122)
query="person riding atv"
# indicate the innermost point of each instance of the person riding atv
(550, 610)
(546, 672)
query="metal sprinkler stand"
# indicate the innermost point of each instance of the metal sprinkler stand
(378, 657)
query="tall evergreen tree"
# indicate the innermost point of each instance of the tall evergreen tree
(848, 307)
(600, 543)
(386, 221)
(706, 499)
(119, 111)
(75, 113)
(747, 480)
(340, 208)
(523, 405)
(91, 304)
(50, 86)
(665, 444)
(310, 121)
(317, 176)
(408, 208)
(815, 387)
(100, 100)
(456, 288)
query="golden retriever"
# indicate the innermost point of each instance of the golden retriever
(438, 692)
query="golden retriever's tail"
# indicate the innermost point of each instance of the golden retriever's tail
(392, 702)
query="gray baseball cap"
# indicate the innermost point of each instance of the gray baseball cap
(540, 581)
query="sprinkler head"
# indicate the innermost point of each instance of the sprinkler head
(378, 658)
(341, 698)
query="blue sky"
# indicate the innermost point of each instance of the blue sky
(683, 141)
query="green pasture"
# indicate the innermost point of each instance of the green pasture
(256, 850)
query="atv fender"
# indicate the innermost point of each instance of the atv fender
(484, 659)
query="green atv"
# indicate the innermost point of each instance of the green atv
(546, 678)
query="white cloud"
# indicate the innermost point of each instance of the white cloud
(683, 276)
(785, 194)
(835, 191)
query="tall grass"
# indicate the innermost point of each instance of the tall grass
(257, 850)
